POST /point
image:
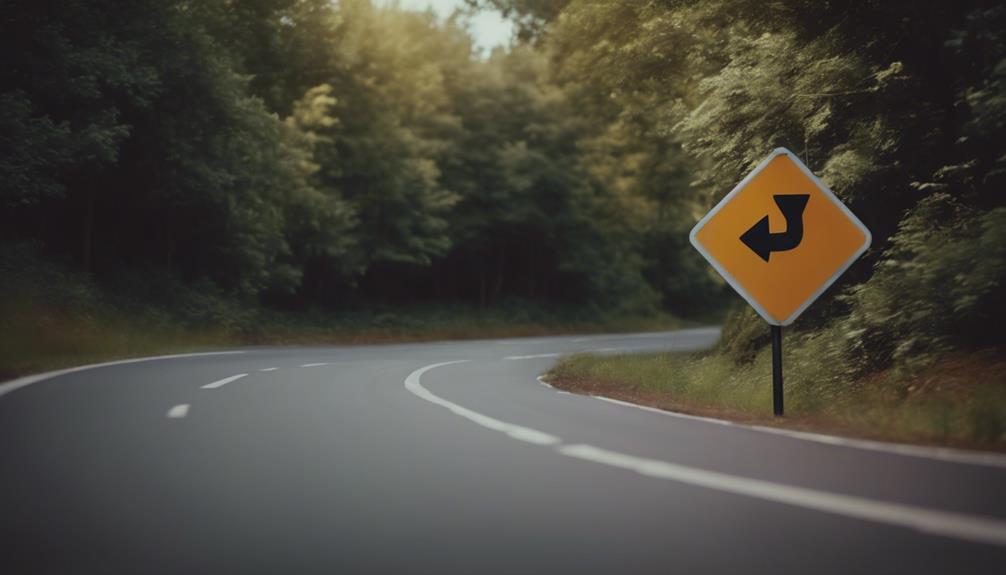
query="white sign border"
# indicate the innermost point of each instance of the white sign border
(827, 193)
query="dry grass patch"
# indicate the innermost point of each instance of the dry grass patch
(957, 399)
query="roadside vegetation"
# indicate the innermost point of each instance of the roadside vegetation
(956, 399)
(178, 174)
(901, 109)
(55, 317)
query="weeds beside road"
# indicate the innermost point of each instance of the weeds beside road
(35, 339)
(955, 399)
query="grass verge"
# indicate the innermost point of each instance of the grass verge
(957, 399)
(44, 338)
(52, 317)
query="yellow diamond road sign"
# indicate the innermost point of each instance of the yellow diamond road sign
(780, 238)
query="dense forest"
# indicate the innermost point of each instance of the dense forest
(294, 154)
(308, 152)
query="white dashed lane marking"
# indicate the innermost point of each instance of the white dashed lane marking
(224, 381)
(179, 411)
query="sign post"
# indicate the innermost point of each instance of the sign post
(777, 407)
(780, 238)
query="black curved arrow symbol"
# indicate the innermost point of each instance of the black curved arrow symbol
(764, 243)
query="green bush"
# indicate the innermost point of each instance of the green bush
(28, 279)
(938, 287)
(744, 334)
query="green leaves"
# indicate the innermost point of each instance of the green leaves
(306, 151)
(33, 151)
(937, 288)
(893, 106)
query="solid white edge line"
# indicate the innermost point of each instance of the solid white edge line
(9, 386)
(978, 529)
(412, 383)
(542, 381)
(701, 330)
(665, 412)
(938, 453)
(689, 331)
(179, 411)
(536, 356)
(946, 523)
(224, 381)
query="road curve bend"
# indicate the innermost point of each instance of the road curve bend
(454, 457)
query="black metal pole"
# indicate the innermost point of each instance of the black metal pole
(777, 370)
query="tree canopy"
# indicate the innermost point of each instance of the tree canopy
(307, 152)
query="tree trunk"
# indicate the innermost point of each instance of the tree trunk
(169, 246)
(482, 287)
(532, 272)
(88, 239)
(498, 288)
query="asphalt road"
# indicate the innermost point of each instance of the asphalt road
(452, 458)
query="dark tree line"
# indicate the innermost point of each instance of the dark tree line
(313, 152)
(898, 106)
(303, 151)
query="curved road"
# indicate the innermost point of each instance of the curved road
(452, 458)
